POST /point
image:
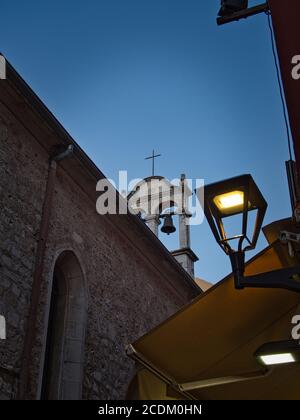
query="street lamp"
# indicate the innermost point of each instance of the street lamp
(233, 10)
(278, 353)
(232, 6)
(240, 195)
(231, 197)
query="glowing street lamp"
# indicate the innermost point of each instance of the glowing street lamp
(231, 197)
(241, 195)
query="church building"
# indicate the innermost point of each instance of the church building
(75, 287)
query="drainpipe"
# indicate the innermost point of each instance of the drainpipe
(30, 334)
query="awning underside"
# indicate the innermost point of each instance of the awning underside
(207, 348)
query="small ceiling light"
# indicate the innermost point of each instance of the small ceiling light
(277, 359)
(278, 353)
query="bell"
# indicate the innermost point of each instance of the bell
(168, 226)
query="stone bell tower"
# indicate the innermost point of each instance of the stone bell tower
(158, 201)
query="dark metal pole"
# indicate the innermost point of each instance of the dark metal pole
(292, 181)
(36, 285)
(285, 19)
(23, 389)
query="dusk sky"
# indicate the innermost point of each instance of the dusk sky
(128, 76)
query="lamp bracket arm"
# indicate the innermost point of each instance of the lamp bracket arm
(288, 238)
(278, 279)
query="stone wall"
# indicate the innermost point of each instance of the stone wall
(126, 295)
(127, 286)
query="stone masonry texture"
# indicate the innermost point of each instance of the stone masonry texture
(130, 286)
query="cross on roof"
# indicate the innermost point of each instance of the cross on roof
(153, 157)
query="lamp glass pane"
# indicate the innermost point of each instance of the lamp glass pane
(231, 202)
(277, 359)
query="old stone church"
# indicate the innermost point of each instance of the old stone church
(75, 287)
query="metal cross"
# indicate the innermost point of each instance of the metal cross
(153, 157)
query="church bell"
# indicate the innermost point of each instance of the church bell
(168, 226)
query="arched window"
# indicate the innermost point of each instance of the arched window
(64, 355)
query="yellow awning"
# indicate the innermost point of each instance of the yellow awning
(147, 386)
(206, 349)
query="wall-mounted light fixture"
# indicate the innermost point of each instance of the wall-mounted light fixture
(232, 10)
(232, 6)
(229, 198)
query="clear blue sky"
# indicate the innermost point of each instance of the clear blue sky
(127, 76)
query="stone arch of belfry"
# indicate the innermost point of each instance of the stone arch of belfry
(151, 197)
(64, 356)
